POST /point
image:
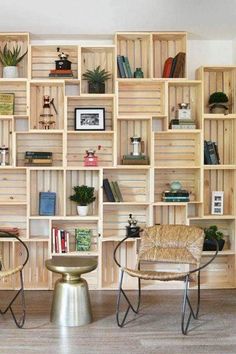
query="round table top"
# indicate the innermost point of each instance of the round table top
(72, 265)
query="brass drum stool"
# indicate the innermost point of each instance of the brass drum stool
(71, 302)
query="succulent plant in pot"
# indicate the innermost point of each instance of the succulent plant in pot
(212, 233)
(96, 79)
(83, 196)
(218, 102)
(9, 59)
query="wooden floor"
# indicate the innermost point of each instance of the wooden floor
(155, 331)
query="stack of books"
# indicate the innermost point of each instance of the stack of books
(182, 124)
(60, 241)
(38, 158)
(124, 67)
(135, 160)
(60, 73)
(112, 191)
(180, 195)
(174, 67)
(211, 153)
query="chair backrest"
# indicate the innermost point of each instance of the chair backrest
(172, 244)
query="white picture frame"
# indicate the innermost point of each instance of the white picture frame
(217, 203)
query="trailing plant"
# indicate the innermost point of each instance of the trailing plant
(11, 57)
(212, 232)
(218, 97)
(84, 195)
(96, 76)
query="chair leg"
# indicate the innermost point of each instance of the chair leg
(19, 322)
(186, 301)
(121, 323)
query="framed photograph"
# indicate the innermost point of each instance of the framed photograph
(90, 119)
(7, 104)
(217, 203)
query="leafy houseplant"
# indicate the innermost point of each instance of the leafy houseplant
(83, 196)
(96, 79)
(9, 59)
(212, 233)
(218, 102)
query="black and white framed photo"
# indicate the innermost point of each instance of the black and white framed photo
(89, 118)
(217, 203)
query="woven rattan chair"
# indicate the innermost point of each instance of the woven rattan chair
(178, 244)
(4, 273)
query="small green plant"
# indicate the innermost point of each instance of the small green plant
(212, 232)
(218, 97)
(84, 195)
(96, 76)
(10, 57)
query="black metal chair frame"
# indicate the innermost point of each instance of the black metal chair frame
(185, 320)
(21, 320)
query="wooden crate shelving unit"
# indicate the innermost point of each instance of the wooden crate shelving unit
(142, 107)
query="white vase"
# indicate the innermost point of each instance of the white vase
(82, 210)
(10, 72)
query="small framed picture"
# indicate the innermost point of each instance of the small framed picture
(217, 203)
(89, 118)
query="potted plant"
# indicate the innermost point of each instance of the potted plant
(83, 196)
(218, 102)
(212, 233)
(9, 59)
(96, 79)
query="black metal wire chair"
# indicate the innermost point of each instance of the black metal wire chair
(170, 244)
(10, 272)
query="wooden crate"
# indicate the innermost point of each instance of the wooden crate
(77, 178)
(187, 92)
(12, 186)
(6, 252)
(39, 229)
(170, 214)
(55, 91)
(79, 142)
(43, 60)
(48, 141)
(44, 181)
(99, 101)
(127, 128)
(222, 131)
(165, 45)
(91, 58)
(177, 149)
(6, 126)
(133, 183)
(18, 88)
(190, 180)
(145, 98)
(21, 40)
(137, 47)
(14, 216)
(220, 180)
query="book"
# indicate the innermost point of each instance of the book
(212, 153)
(207, 158)
(83, 239)
(47, 203)
(117, 199)
(60, 75)
(130, 75)
(183, 126)
(173, 66)
(108, 191)
(124, 66)
(38, 154)
(38, 161)
(167, 67)
(118, 192)
(61, 71)
(178, 70)
(7, 104)
(120, 66)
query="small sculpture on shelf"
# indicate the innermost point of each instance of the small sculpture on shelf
(176, 193)
(4, 153)
(218, 103)
(46, 121)
(183, 117)
(62, 66)
(132, 230)
(90, 159)
(136, 157)
(138, 74)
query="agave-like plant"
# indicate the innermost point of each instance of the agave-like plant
(96, 76)
(10, 57)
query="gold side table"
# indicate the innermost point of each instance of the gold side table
(71, 303)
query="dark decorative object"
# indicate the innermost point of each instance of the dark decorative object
(89, 118)
(138, 74)
(212, 233)
(218, 103)
(46, 121)
(63, 63)
(132, 230)
(96, 79)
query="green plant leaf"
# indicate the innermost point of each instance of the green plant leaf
(10, 57)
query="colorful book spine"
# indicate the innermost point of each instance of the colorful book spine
(126, 60)
(120, 66)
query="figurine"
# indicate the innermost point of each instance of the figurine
(132, 230)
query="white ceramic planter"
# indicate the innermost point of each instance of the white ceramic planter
(82, 210)
(10, 72)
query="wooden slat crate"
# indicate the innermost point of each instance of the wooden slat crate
(79, 142)
(136, 46)
(13, 186)
(14, 216)
(78, 178)
(167, 45)
(51, 142)
(170, 215)
(44, 181)
(91, 58)
(6, 126)
(54, 91)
